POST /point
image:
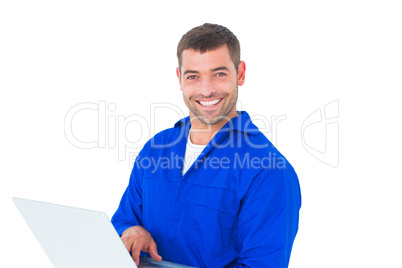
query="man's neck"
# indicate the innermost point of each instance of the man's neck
(202, 133)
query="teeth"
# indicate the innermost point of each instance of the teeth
(209, 103)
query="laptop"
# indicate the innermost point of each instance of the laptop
(79, 238)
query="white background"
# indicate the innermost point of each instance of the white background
(300, 56)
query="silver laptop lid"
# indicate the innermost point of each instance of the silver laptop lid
(79, 238)
(73, 237)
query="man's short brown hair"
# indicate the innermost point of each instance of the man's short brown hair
(209, 37)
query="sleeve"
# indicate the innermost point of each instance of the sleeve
(129, 212)
(268, 219)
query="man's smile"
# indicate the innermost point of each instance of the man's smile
(209, 103)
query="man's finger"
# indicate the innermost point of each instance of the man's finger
(135, 254)
(128, 243)
(154, 252)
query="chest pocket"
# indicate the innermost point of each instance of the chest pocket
(212, 219)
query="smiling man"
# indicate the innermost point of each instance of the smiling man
(212, 191)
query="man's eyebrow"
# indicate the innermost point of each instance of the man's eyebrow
(190, 72)
(222, 68)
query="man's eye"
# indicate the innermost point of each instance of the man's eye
(192, 77)
(220, 74)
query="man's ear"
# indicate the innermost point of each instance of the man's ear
(178, 76)
(241, 73)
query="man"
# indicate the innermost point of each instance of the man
(212, 191)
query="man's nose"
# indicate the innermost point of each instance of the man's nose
(207, 87)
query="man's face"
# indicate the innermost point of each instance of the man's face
(209, 83)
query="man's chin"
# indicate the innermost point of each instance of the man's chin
(211, 120)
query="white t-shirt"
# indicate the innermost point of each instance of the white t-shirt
(191, 154)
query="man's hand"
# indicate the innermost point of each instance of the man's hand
(137, 239)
